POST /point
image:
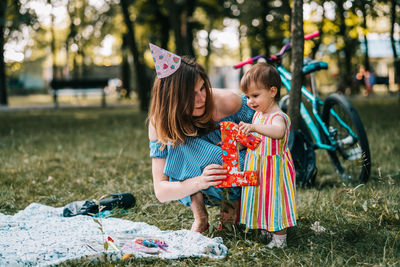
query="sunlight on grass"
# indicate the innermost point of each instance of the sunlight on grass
(58, 156)
(46, 100)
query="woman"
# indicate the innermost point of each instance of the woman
(184, 136)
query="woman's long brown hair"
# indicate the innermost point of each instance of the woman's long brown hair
(172, 105)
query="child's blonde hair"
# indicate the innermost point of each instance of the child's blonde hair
(262, 74)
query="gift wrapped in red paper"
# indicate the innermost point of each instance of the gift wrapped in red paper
(230, 135)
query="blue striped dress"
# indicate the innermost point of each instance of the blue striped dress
(189, 160)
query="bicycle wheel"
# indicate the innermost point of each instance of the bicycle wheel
(351, 159)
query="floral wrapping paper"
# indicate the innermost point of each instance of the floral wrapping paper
(230, 135)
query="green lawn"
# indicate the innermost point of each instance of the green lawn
(58, 156)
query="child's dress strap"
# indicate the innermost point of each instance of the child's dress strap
(283, 115)
(283, 143)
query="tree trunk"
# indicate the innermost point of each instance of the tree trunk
(164, 24)
(318, 41)
(297, 34)
(53, 45)
(396, 60)
(264, 30)
(75, 70)
(366, 57)
(53, 51)
(174, 16)
(126, 70)
(187, 23)
(287, 10)
(345, 71)
(3, 83)
(80, 56)
(207, 57)
(143, 85)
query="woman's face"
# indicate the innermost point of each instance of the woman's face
(200, 95)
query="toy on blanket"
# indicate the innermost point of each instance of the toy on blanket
(145, 245)
(230, 134)
(111, 244)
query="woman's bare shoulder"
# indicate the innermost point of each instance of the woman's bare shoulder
(152, 132)
(227, 102)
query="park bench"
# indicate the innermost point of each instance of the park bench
(382, 80)
(79, 87)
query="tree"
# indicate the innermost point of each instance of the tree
(53, 47)
(89, 24)
(297, 62)
(181, 21)
(212, 17)
(3, 83)
(347, 45)
(143, 84)
(317, 25)
(396, 60)
(266, 24)
(12, 20)
(364, 8)
(155, 18)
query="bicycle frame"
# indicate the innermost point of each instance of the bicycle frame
(286, 78)
(336, 138)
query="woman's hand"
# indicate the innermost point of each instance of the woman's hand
(246, 128)
(211, 176)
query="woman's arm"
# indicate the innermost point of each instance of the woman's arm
(226, 103)
(166, 190)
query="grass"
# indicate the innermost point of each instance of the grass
(58, 156)
(68, 100)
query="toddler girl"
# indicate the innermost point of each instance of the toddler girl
(271, 205)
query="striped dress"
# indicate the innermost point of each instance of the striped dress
(272, 204)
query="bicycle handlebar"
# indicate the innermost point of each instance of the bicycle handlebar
(241, 64)
(311, 35)
(276, 57)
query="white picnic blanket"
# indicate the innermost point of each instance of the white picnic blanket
(40, 235)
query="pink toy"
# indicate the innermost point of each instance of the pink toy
(146, 245)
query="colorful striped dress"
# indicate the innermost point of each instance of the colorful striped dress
(272, 204)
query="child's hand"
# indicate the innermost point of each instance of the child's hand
(246, 128)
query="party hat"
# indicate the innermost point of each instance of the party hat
(166, 62)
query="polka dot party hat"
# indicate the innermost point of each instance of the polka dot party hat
(166, 62)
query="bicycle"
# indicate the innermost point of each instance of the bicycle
(337, 128)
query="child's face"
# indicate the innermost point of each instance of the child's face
(260, 99)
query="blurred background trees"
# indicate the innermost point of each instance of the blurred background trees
(15, 20)
(48, 39)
